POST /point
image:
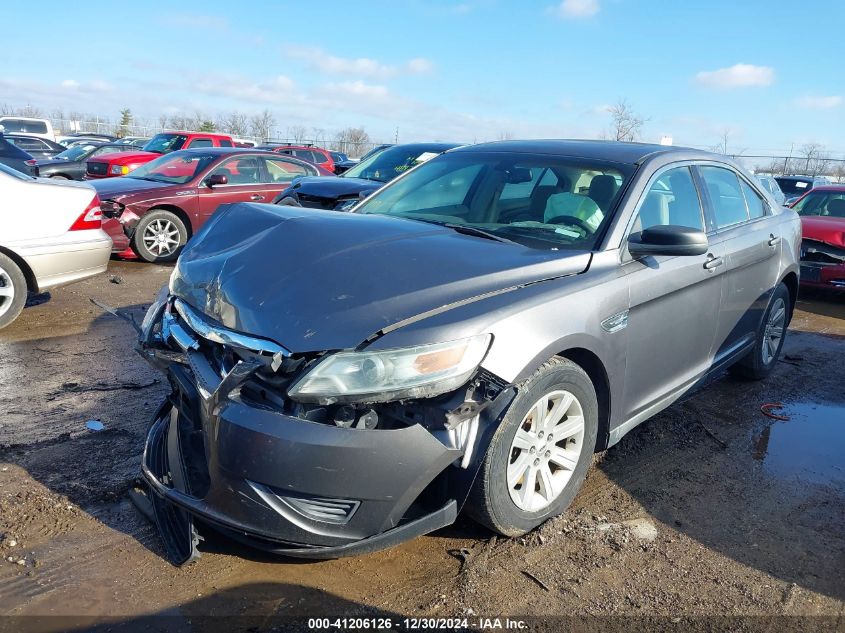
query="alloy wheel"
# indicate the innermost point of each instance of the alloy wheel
(7, 292)
(773, 332)
(545, 450)
(161, 237)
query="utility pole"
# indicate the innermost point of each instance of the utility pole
(396, 137)
(786, 162)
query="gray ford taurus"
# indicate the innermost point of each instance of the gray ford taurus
(465, 338)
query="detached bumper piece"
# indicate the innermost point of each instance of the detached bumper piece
(277, 482)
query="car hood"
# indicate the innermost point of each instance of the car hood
(334, 186)
(125, 158)
(824, 229)
(323, 280)
(109, 188)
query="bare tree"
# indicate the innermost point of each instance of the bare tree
(352, 141)
(261, 125)
(722, 146)
(319, 135)
(505, 135)
(816, 159)
(627, 125)
(235, 123)
(297, 133)
(162, 121)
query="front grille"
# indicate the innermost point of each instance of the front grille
(317, 202)
(96, 168)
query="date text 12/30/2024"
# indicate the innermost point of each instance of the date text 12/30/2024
(416, 624)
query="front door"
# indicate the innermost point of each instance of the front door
(674, 301)
(245, 183)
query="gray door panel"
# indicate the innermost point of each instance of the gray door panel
(674, 308)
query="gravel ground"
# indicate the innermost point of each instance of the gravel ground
(709, 509)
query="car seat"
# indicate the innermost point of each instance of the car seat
(836, 208)
(602, 189)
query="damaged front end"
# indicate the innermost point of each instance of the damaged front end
(822, 264)
(250, 444)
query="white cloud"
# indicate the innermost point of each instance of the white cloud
(737, 76)
(71, 84)
(819, 103)
(324, 62)
(574, 9)
(356, 89)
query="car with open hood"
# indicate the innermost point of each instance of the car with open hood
(153, 211)
(822, 212)
(356, 183)
(464, 339)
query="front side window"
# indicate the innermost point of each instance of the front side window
(726, 195)
(467, 189)
(177, 168)
(826, 203)
(224, 142)
(200, 142)
(671, 199)
(243, 170)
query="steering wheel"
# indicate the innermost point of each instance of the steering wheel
(571, 219)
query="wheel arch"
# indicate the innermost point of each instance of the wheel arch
(595, 370)
(790, 280)
(20, 262)
(177, 211)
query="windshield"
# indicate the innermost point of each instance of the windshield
(793, 186)
(826, 203)
(164, 143)
(76, 152)
(176, 168)
(539, 201)
(389, 163)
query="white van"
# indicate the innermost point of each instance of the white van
(41, 128)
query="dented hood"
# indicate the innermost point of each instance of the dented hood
(322, 280)
(830, 230)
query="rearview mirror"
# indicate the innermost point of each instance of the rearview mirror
(668, 240)
(216, 179)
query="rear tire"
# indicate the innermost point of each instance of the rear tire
(13, 291)
(159, 237)
(761, 360)
(526, 477)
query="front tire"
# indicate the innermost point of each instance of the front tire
(761, 360)
(159, 237)
(13, 291)
(526, 476)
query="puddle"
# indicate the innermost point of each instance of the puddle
(810, 446)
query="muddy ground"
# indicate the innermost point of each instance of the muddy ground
(709, 509)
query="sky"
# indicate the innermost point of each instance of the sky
(769, 73)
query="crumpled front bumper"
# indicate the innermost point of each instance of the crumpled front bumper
(261, 468)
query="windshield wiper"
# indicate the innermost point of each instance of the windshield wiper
(472, 230)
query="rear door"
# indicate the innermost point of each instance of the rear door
(278, 173)
(742, 222)
(674, 301)
(246, 184)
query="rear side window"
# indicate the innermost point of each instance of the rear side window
(756, 205)
(726, 195)
(29, 144)
(200, 142)
(225, 143)
(281, 170)
(22, 125)
(671, 199)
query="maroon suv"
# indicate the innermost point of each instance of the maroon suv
(153, 211)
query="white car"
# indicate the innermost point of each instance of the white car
(50, 235)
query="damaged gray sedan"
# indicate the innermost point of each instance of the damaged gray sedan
(466, 338)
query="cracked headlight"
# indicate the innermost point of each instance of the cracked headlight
(392, 374)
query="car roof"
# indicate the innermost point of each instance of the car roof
(224, 150)
(210, 134)
(616, 151)
(829, 188)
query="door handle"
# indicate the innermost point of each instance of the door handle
(713, 262)
(256, 197)
(773, 239)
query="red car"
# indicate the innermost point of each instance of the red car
(110, 165)
(316, 155)
(155, 209)
(822, 212)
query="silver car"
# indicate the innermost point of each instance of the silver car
(465, 338)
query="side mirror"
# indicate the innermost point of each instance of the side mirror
(216, 179)
(668, 240)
